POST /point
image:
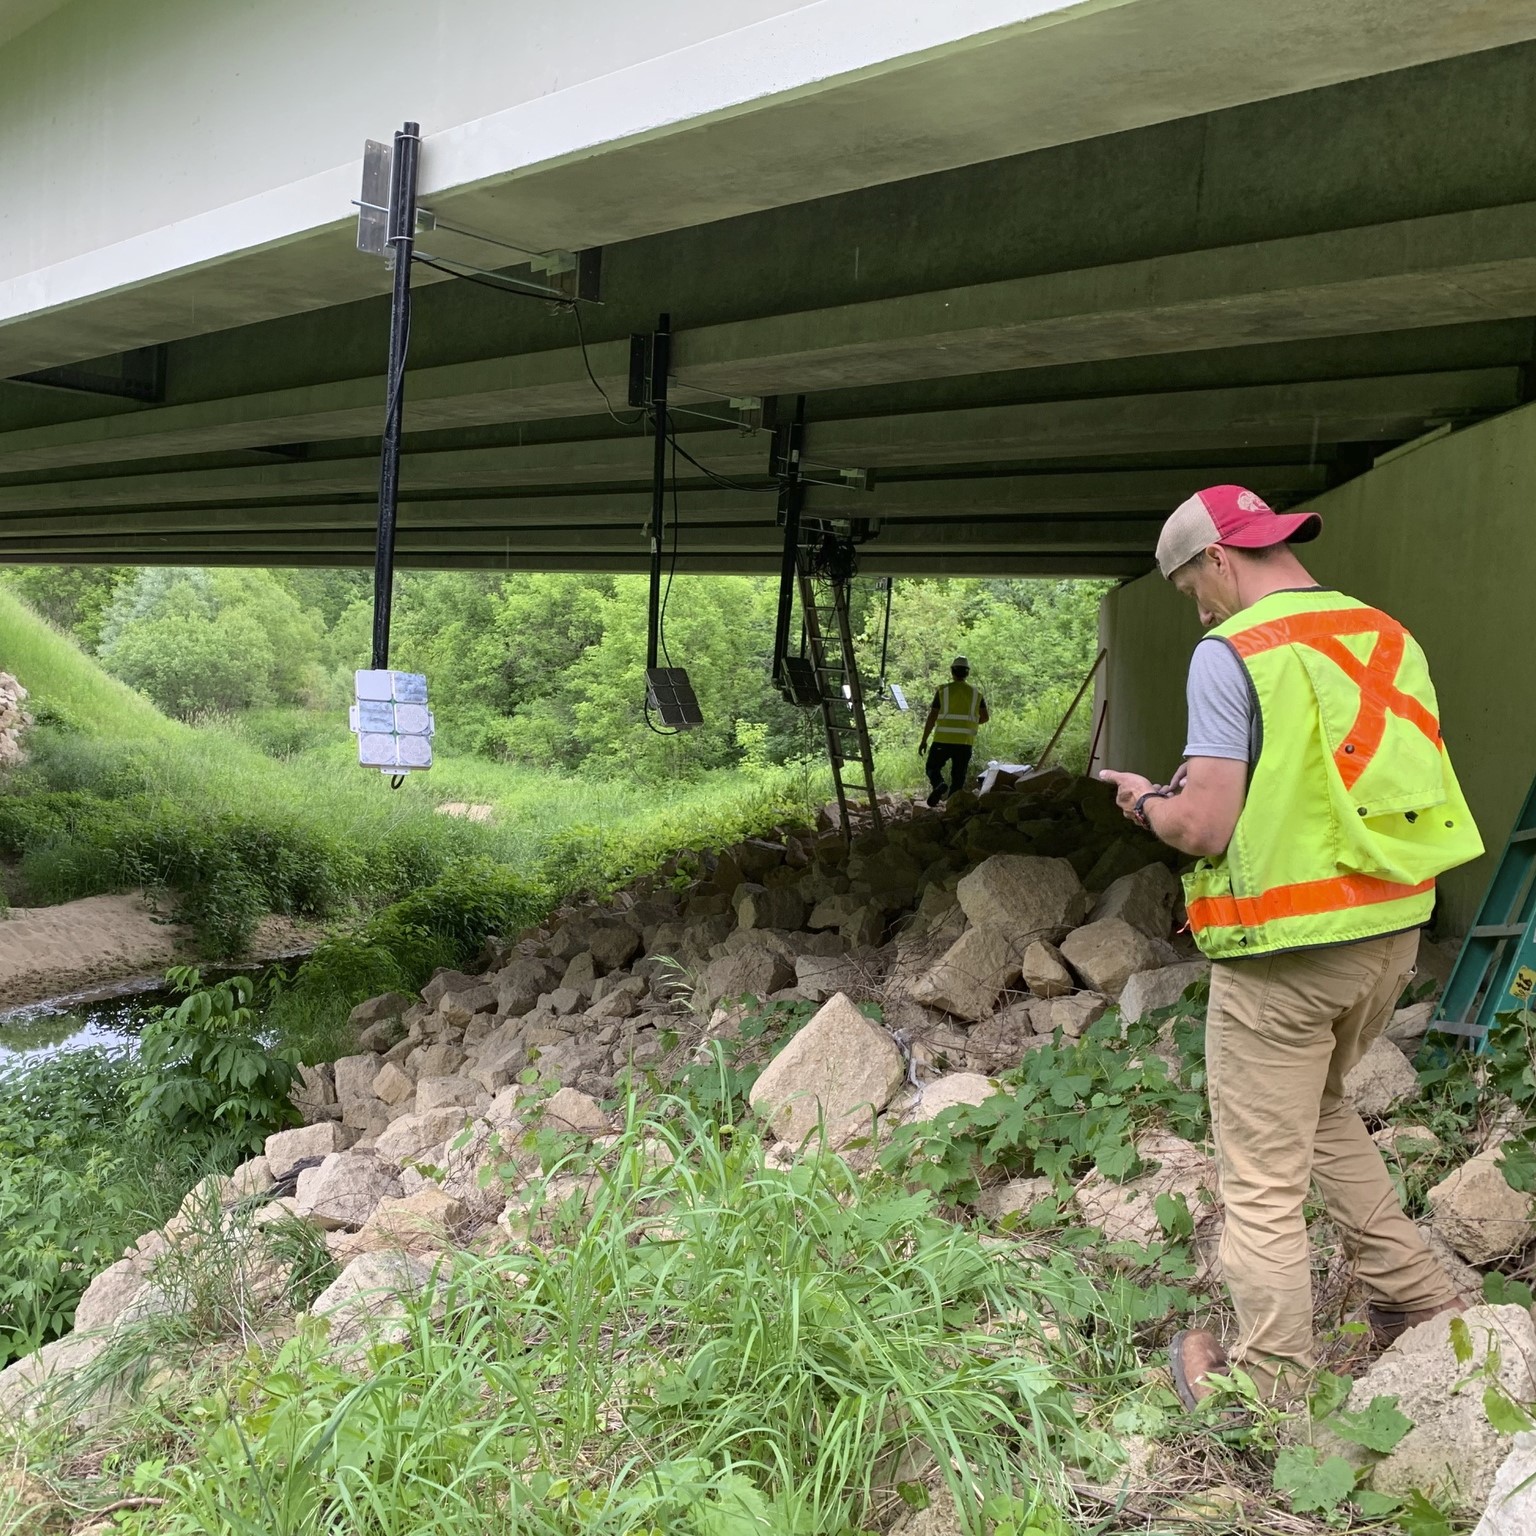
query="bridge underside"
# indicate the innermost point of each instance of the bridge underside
(1036, 356)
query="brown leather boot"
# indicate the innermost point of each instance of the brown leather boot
(1195, 1354)
(1387, 1326)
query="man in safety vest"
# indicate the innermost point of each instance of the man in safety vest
(958, 710)
(1319, 795)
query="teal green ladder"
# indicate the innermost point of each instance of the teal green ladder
(1496, 969)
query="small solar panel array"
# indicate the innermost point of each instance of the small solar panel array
(671, 695)
(392, 723)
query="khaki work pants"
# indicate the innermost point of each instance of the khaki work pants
(1282, 1033)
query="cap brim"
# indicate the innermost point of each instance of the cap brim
(1279, 528)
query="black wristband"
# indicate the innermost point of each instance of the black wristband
(1139, 815)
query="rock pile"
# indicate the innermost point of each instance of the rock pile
(1008, 921)
(13, 719)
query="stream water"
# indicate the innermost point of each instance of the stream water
(35, 1030)
(110, 1016)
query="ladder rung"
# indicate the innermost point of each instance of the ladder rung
(1497, 931)
(1525, 835)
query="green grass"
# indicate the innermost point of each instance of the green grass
(273, 814)
(710, 1346)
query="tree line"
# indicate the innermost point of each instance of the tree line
(547, 668)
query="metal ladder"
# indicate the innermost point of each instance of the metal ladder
(1496, 969)
(824, 603)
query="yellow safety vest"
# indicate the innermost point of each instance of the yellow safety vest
(1353, 807)
(959, 715)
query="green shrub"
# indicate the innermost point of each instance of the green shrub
(205, 1074)
(75, 1187)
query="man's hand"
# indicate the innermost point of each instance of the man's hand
(1129, 788)
(922, 747)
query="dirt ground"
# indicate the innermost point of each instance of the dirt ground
(47, 951)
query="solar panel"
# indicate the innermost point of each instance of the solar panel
(672, 697)
(800, 686)
(393, 725)
(898, 698)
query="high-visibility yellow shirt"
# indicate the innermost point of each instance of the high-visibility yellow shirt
(1353, 807)
(959, 714)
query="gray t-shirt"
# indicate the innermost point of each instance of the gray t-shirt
(1223, 719)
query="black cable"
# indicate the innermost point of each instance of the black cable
(586, 362)
(509, 286)
(661, 623)
(719, 479)
(661, 618)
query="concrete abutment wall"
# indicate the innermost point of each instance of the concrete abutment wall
(1444, 538)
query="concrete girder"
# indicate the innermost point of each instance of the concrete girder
(1436, 270)
(637, 151)
(1130, 536)
(1253, 416)
(1021, 562)
(1083, 492)
(537, 464)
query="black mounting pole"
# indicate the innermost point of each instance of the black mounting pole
(791, 502)
(402, 236)
(885, 638)
(661, 362)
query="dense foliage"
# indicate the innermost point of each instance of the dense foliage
(97, 1148)
(546, 669)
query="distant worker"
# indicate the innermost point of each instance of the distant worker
(1318, 792)
(958, 710)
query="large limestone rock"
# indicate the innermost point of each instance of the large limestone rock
(285, 1150)
(1071, 1015)
(1381, 1080)
(344, 1190)
(1021, 895)
(520, 984)
(421, 1223)
(1511, 1507)
(1452, 1452)
(999, 1044)
(840, 1068)
(575, 1113)
(1477, 1212)
(819, 976)
(971, 973)
(1408, 1026)
(391, 1005)
(1145, 900)
(408, 1137)
(393, 1084)
(1045, 973)
(368, 1299)
(614, 945)
(1128, 1212)
(123, 1289)
(499, 1060)
(448, 1092)
(354, 1078)
(1147, 991)
(33, 1380)
(755, 972)
(1108, 953)
(948, 1091)
(760, 906)
(314, 1094)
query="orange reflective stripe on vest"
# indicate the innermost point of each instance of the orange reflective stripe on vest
(1309, 899)
(1376, 678)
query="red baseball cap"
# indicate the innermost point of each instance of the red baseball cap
(1228, 514)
